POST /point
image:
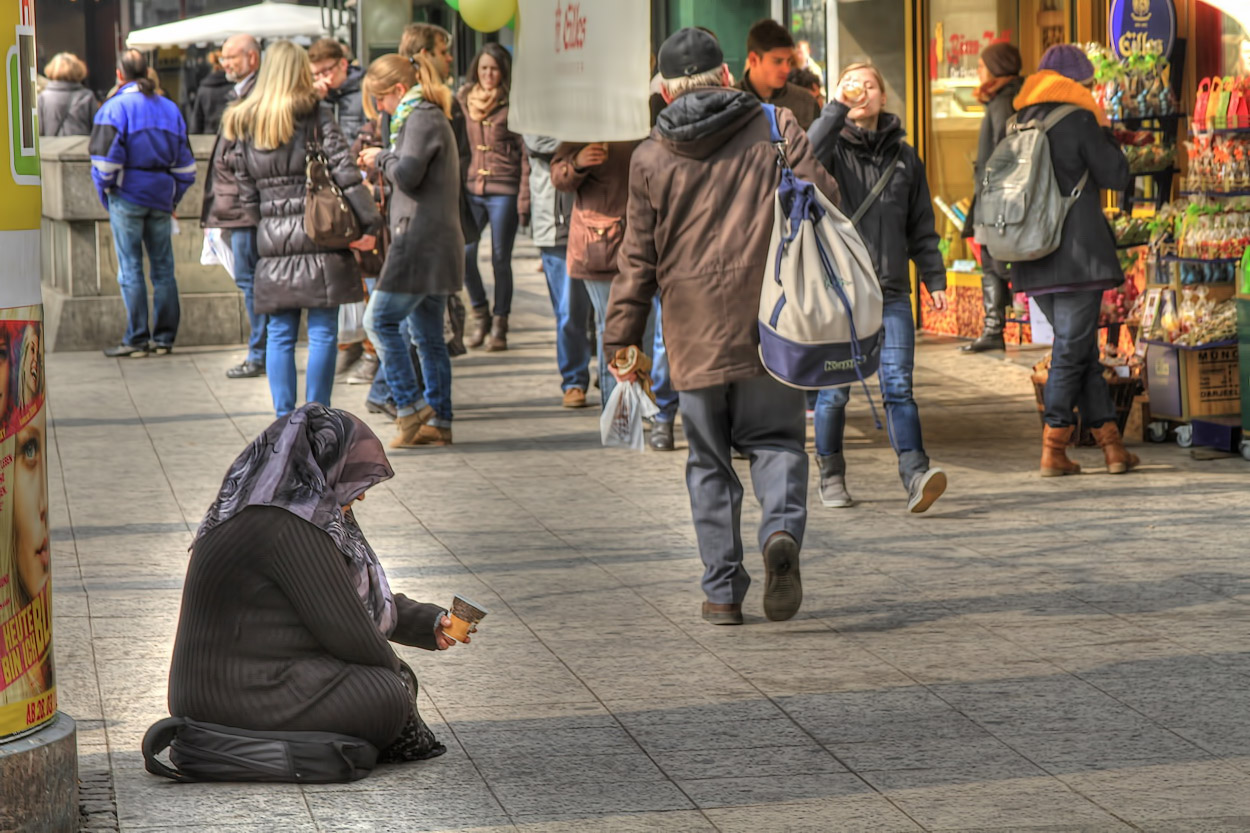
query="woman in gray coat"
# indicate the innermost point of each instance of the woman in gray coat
(66, 107)
(271, 129)
(425, 260)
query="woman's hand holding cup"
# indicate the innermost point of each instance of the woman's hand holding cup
(440, 634)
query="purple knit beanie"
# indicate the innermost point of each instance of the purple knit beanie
(1069, 61)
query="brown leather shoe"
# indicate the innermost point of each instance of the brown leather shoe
(478, 327)
(1119, 459)
(783, 588)
(575, 398)
(1055, 462)
(409, 426)
(719, 614)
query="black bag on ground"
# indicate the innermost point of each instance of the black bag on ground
(209, 752)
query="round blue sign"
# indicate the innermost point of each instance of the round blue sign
(1143, 26)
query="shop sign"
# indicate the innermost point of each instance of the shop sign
(27, 683)
(583, 79)
(1143, 26)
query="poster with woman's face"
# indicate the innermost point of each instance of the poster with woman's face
(27, 692)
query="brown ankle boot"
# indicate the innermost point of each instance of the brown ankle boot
(1119, 458)
(409, 427)
(1055, 462)
(478, 328)
(498, 341)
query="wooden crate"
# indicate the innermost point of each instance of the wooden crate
(1189, 382)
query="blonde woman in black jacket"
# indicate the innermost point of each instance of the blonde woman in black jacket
(859, 143)
(271, 129)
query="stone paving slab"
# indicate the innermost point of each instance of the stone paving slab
(1035, 655)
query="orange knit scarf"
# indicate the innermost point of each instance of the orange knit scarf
(1049, 87)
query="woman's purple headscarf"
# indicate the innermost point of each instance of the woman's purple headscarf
(313, 462)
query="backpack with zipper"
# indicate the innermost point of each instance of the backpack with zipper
(821, 301)
(1020, 209)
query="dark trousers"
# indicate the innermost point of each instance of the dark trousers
(246, 256)
(1075, 373)
(764, 419)
(500, 212)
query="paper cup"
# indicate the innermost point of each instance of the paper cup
(464, 615)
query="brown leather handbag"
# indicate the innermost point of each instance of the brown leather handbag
(329, 220)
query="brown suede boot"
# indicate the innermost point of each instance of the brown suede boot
(409, 427)
(498, 341)
(1119, 458)
(1055, 462)
(478, 327)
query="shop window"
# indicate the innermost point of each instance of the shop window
(808, 26)
(860, 37)
(1225, 28)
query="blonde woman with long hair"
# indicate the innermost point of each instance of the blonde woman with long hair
(272, 129)
(425, 261)
(66, 106)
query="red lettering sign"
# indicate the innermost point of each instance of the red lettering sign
(570, 27)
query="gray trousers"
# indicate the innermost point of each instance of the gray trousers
(765, 420)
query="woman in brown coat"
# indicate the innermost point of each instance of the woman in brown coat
(498, 189)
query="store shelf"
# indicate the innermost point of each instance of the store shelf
(1221, 131)
(1216, 194)
(1139, 120)
(1210, 346)
(1199, 261)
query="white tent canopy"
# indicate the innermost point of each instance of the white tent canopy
(265, 20)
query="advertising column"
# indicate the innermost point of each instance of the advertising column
(27, 680)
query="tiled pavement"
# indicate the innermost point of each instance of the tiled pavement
(1043, 655)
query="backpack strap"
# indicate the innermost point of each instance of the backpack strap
(774, 135)
(879, 188)
(1053, 118)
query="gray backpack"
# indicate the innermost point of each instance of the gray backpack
(1020, 210)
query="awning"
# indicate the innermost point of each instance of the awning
(266, 20)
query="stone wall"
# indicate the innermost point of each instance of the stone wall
(82, 302)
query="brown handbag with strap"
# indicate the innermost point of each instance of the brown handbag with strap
(329, 220)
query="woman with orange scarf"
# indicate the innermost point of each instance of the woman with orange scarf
(1068, 283)
(999, 72)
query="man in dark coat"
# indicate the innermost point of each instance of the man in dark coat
(770, 57)
(698, 231)
(240, 58)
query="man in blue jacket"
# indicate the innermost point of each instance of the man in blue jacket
(142, 164)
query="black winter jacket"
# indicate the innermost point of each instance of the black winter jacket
(214, 93)
(899, 224)
(348, 104)
(294, 272)
(65, 109)
(1086, 258)
(426, 254)
(998, 112)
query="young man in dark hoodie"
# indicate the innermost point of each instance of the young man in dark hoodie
(698, 230)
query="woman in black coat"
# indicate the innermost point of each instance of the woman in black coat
(271, 129)
(859, 143)
(287, 616)
(211, 98)
(1068, 283)
(425, 261)
(66, 107)
(999, 72)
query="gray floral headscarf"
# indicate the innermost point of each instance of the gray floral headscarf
(313, 462)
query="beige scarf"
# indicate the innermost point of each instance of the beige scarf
(482, 102)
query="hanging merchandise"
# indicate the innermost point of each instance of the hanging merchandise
(1137, 86)
(487, 15)
(1222, 104)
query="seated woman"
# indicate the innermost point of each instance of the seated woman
(286, 611)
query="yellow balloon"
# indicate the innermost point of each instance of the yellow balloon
(487, 15)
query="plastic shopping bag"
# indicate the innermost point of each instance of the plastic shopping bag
(621, 423)
(352, 323)
(217, 250)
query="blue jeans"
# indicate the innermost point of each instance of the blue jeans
(243, 244)
(898, 359)
(1075, 379)
(500, 211)
(424, 314)
(136, 227)
(571, 305)
(323, 349)
(652, 345)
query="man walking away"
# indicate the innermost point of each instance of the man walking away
(770, 57)
(240, 57)
(700, 219)
(338, 84)
(142, 164)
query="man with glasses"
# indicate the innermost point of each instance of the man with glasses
(338, 83)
